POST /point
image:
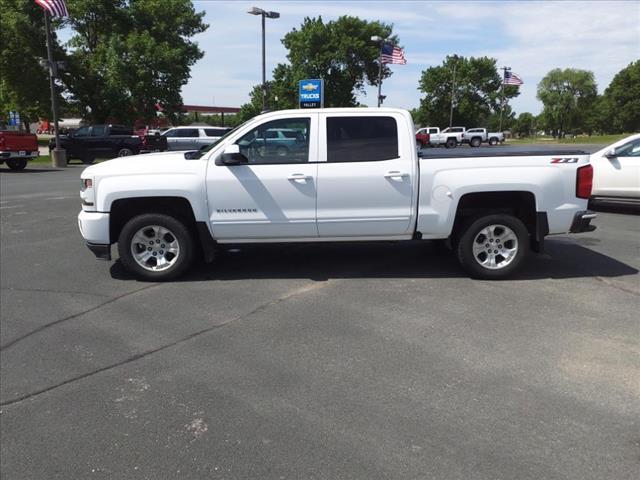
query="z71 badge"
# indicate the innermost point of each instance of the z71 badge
(564, 160)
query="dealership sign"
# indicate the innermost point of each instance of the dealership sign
(311, 93)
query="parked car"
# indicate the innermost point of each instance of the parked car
(616, 172)
(449, 137)
(193, 138)
(356, 176)
(107, 141)
(477, 136)
(17, 148)
(278, 142)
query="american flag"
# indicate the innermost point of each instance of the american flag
(56, 8)
(391, 54)
(512, 79)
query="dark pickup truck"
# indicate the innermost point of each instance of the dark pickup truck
(107, 141)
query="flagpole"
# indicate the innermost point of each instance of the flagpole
(58, 155)
(504, 75)
(380, 76)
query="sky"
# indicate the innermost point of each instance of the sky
(531, 37)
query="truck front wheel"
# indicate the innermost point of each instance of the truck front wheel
(155, 247)
(493, 247)
(475, 142)
(16, 164)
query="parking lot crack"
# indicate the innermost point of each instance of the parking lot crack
(71, 317)
(49, 290)
(260, 308)
(617, 286)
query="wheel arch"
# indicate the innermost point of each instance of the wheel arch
(521, 204)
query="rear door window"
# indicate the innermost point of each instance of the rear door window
(361, 139)
(187, 132)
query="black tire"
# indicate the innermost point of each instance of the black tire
(124, 152)
(86, 159)
(178, 231)
(282, 151)
(419, 145)
(475, 142)
(471, 232)
(17, 164)
(493, 141)
(451, 143)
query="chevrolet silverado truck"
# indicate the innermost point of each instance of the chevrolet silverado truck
(450, 137)
(477, 136)
(105, 141)
(356, 176)
(16, 148)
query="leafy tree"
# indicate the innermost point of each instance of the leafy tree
(340, 52)
(620, 106)
(568, 96)
(24, 81)
(525, 125)
(476, 94)
(129, 55)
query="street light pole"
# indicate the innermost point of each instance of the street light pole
(264, 14)
(58, 155)
(453, 89)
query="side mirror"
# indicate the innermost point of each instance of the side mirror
(611, 153)
(232, 156)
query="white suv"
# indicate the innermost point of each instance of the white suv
(193, 138)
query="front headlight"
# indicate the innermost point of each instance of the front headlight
(87, 193)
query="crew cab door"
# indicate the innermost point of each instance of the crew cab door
(273, 195)
(367, 178)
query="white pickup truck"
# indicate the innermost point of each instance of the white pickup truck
(351, 175)
(450, 137)
(477, 136)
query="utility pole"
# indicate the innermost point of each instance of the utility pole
(58, 155)
(453, 89)
(504, 75)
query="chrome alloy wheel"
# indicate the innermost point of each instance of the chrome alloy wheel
(155, 248)
(495, 247)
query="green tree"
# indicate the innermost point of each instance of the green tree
(568, 96)
(24, 81)
(476, 92)
(126, 56)
(340, 52)
(619, 109)
(525, 125)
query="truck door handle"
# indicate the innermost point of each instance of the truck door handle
(299, 177)
(395, 174)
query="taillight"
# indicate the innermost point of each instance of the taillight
(584, 181)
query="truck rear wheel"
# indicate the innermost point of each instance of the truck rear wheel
(493, 247)
(124, 152)
(16, 164)
(155, 247)
(451, 143)
(493, 141)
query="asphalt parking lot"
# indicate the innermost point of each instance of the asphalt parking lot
(374, 361)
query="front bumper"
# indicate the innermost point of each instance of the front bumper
(102, 252)
(582, 220)
(94, 227)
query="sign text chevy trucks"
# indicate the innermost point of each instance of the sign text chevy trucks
(354, 175)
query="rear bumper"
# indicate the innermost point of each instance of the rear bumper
(582, 222)
(11, 155)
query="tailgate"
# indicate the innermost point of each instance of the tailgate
(18, 141)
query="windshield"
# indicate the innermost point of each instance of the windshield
(204, 150)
